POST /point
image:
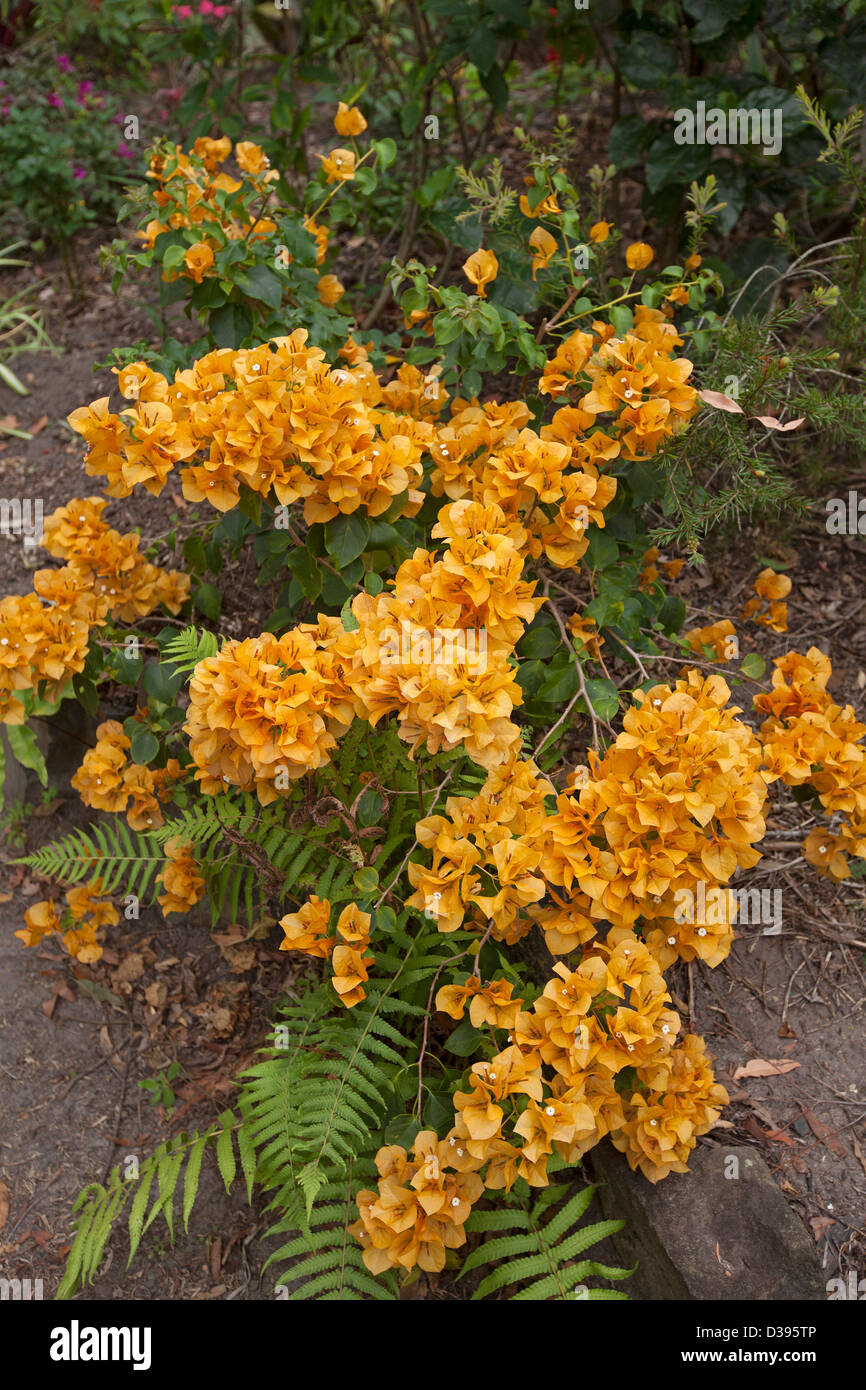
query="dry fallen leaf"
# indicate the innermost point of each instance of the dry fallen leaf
(131, 968)
(157, 994)
(823, 1132)
(820, 1225)
(721, 402)
(772, 423)
(761, 1067)
(4, 1204)
(858, 1152)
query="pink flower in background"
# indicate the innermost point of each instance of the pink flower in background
(172, 94)
(4, 110)
(64, 62)
(182, 11)
(55, 101)
(78, 172)
(124, 151)
(84, 90)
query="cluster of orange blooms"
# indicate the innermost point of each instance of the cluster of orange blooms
(769, 608)
(809, 739)
(307, 931)
(77, 926)
(635, 378)
(268, 710)
(720, 638)
(108, 782)
(547, 483)
(191, 193)
(435, 650)
(675, 802)
(552, 1089)
(104, 571)
(419, 1209)
(181, 880)
(275, 418)
(44, 636)
(38, 644)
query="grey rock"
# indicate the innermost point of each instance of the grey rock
(721, 1231)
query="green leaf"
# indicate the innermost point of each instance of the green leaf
(465, 1040)
(162, 680)
(603, 696)
(672, 614)
(539, 641)
(208, 600)
(481, 49)
(753, 666)
(347, 617)
(345, 538)
(602, 549)
(144, 746)
(22, 742)
(261, 283)
(307, 572)
(560, 685)
(366, 881)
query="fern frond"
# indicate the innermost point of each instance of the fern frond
(119, 857)
(537, 1259)
(324, 1260)
(100, 1207)
(186, 649)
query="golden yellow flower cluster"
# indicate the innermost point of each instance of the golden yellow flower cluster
(181, 880)
(567, 1056)
(720, 637)
(307, 931)
(275, 418)
(547, 484)
(77, 926)
(769, 608)
(44, 636)
(37, 644)
(420, 1209)
(663, 820)
(635, 378)
(808, 738)
(268, 710)
(486, 857)
(103, 567)
(435, 650)
(108, 782)
(191, 193)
